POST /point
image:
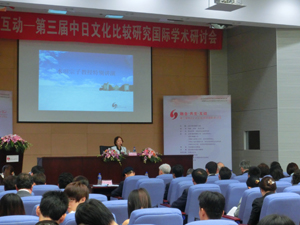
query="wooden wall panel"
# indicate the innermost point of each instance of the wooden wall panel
(174, 71)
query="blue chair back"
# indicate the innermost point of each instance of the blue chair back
(29, 203)
(233, 175)
(167, 178)
(285, 203)
(173, 188)
(100, 197)
(157, 216)
(246, 205)
(294, 189)
(41, 189)
(212, 179)
(1, 188)
(33, 212)
(281, 185)
(192, 203)
(233, 195)
(119, 209)
(213, 222)
(155, 188)
(223, 184)
(69, 219)
(19, 219)
(286, 179)
(130, 183)
(7, 192)
(241, 178)
(181, 186)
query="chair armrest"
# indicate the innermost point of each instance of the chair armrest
(231, 218)
(166, 205)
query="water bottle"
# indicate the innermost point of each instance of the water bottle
(134, 150)
(99, 179)
(146, 174)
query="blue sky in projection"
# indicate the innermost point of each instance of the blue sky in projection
(81, 69)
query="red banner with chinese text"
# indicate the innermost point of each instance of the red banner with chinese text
(50, 27)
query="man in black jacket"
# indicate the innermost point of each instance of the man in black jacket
(127, 172)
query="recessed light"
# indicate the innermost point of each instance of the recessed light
(57, 11)
(114, 16)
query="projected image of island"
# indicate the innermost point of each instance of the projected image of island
(80, 81)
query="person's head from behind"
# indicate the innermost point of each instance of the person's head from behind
(274, 163)
(211, 205)
(224, 173)
(275, 219)
(24, 181)
(252, 182)
(291, 168)
(10, 183)
(244, 166)
(254, 171)
(11, 204)
(296, 177)
(93, 212)
(276, 172)
(37, 169)
(64, 179)
(138, 199)
(267, 184)
(164, 169)
(220, 165)
(189, 171)
(8, 170)
(264, 169)
(82, 179)
(199, 176)
(211, 167)
(39, 178)
(53, 206)
(77, 193)
(177, 171)
(128, 172)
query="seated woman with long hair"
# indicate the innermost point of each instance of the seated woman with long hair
(137, 199)
(11, 204)
(267, 186)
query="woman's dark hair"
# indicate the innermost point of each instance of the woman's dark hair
(275, 219)
(291, 168)
(274, 163)
(93, 212)
(116, 138)
(264, 169)
(296, 177)
(11, 204)
(276, 172)
(138, 199)
(268, 184)
(253, 181)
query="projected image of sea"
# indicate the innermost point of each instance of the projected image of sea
(80, 81)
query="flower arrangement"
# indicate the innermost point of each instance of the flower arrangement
(110, 155)
(13, 141)
(148, 154)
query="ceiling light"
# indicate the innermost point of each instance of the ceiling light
(225, 5)
(114, 16)
(57, 11)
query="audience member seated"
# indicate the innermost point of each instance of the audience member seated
(251, 182)
(211, 205)
(77, 193)
(211, 168)
(189, 171)
(275, 219)
(64, 179)
(274, 163)
(276, 172)
(177, 171)
(199, 177)
(118, 145)
(53, 208)
(137, 199)
(164, 169)
(93, 212)
(224, 173)
(244, 166)
(296, 177)
(83, 180)
(127, 172)
(39, 179)
(267, 186)
(254, 171)
(24, 184)
(11, 204)
(264, 170)
(220, 165)
(9, 183)
(291, 168)
(8, 170)
(37, 169)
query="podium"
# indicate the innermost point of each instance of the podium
(90, 167)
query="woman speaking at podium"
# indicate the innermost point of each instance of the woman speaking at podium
(118, 145)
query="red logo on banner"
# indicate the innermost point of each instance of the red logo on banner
(173, 114)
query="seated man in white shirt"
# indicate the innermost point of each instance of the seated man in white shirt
(77, 193)
(24, 184)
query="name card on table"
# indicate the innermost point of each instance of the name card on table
(106, 182)
(132, 154)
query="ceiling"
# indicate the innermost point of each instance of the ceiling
(261, 13)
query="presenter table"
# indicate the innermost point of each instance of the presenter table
(91, 166)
